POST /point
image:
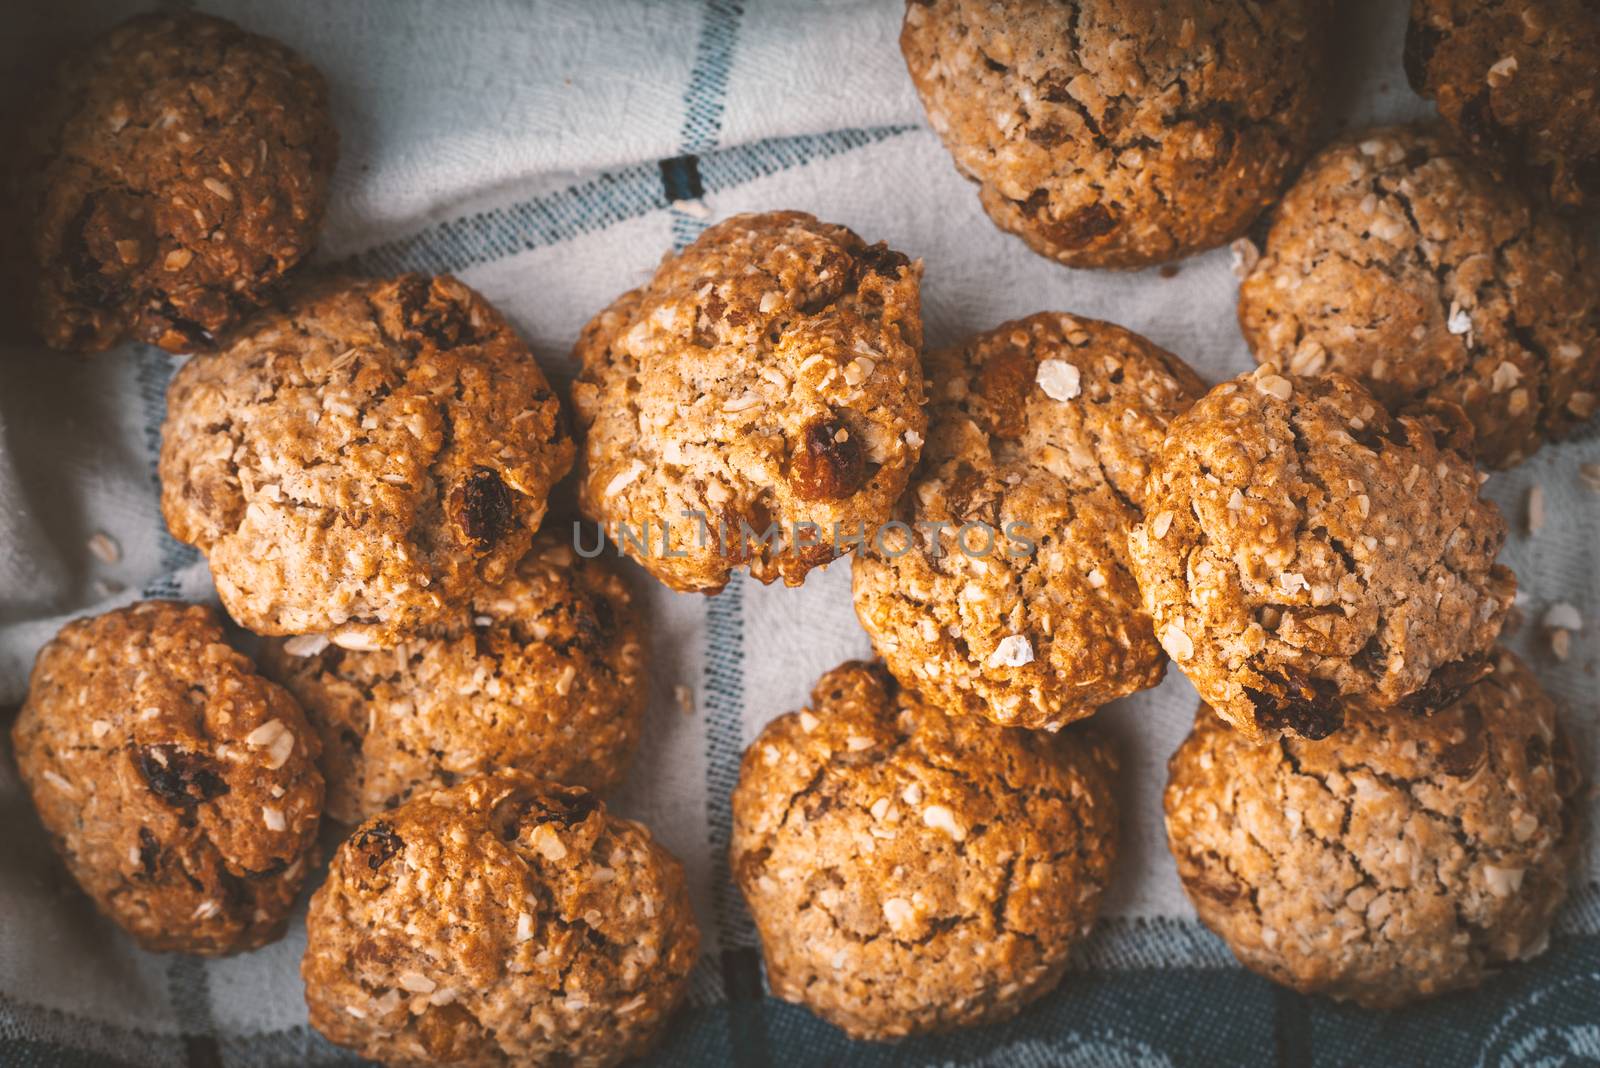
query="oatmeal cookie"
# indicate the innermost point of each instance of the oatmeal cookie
(767, 379)
(1516, 79)
(1007, 594)
(543, 672)
(1305, 553)
(1402, 262)
(502, 921)
(1405, 856)
(912, 872)
(1120, 133)
(364, 462)
(178, 170)
(180, 787)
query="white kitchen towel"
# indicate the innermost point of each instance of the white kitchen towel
(548, 153)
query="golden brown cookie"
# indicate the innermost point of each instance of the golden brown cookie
(1304, 554)
(544, 672)
(768, 377)
(1120, 133)
(912, 872)
(502, 921)
(364, 462)
(179, 168)
(1516, 79)
(1405, 856)
(1007, 592)
(1399, 260)
(180, 787)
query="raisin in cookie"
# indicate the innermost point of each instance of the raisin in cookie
(1404, 856)
(1399, 260)
(179, 168)
(1008, 593)
(543, 672)
(1110, 133)
(1304, 553)
(503, 921)
(912, 872)
(766, 380)
(180, 787)
(364, 462)
(1516, 79)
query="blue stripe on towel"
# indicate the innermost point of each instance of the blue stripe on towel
(708, 78)
(190, 989)
(154, 371)
(585, 207)
(598, 203)
(761, 159)
(703, 103)
(724, 703)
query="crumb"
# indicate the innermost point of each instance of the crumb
(105, 547)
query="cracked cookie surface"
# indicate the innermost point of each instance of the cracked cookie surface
(502, 921)
(365, 461)
(1403, 857)
(912, 872)
(768, 374)
(1108, 133)
(1041, 428)
(1516, 79)
(1401, 261)
(544, 672)
(178, 169)
(179, 786)
(1304, 553)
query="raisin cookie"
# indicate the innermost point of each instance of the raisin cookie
(364, 462)
(1516, 79)
(180, 787)
(757, 403)
(1120, 133)
(503, 921)
(912, 872)
(1007, 594)
(1402, 262)
(543, 672)
(1403, 857)
(179, 168)
(1305, 553)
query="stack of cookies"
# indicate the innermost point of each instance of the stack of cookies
(1377, 802)
(366, 464)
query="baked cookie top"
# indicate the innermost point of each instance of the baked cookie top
(1110, 133)
(363, 462)
(912, 872)
(767, 377)
(1303, 554)
(1406, 855)
(1399, 260)
(544, 672)
(178, 167)
(502, 921)
(179, 786)
(1517, 81)
(1007, 593)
